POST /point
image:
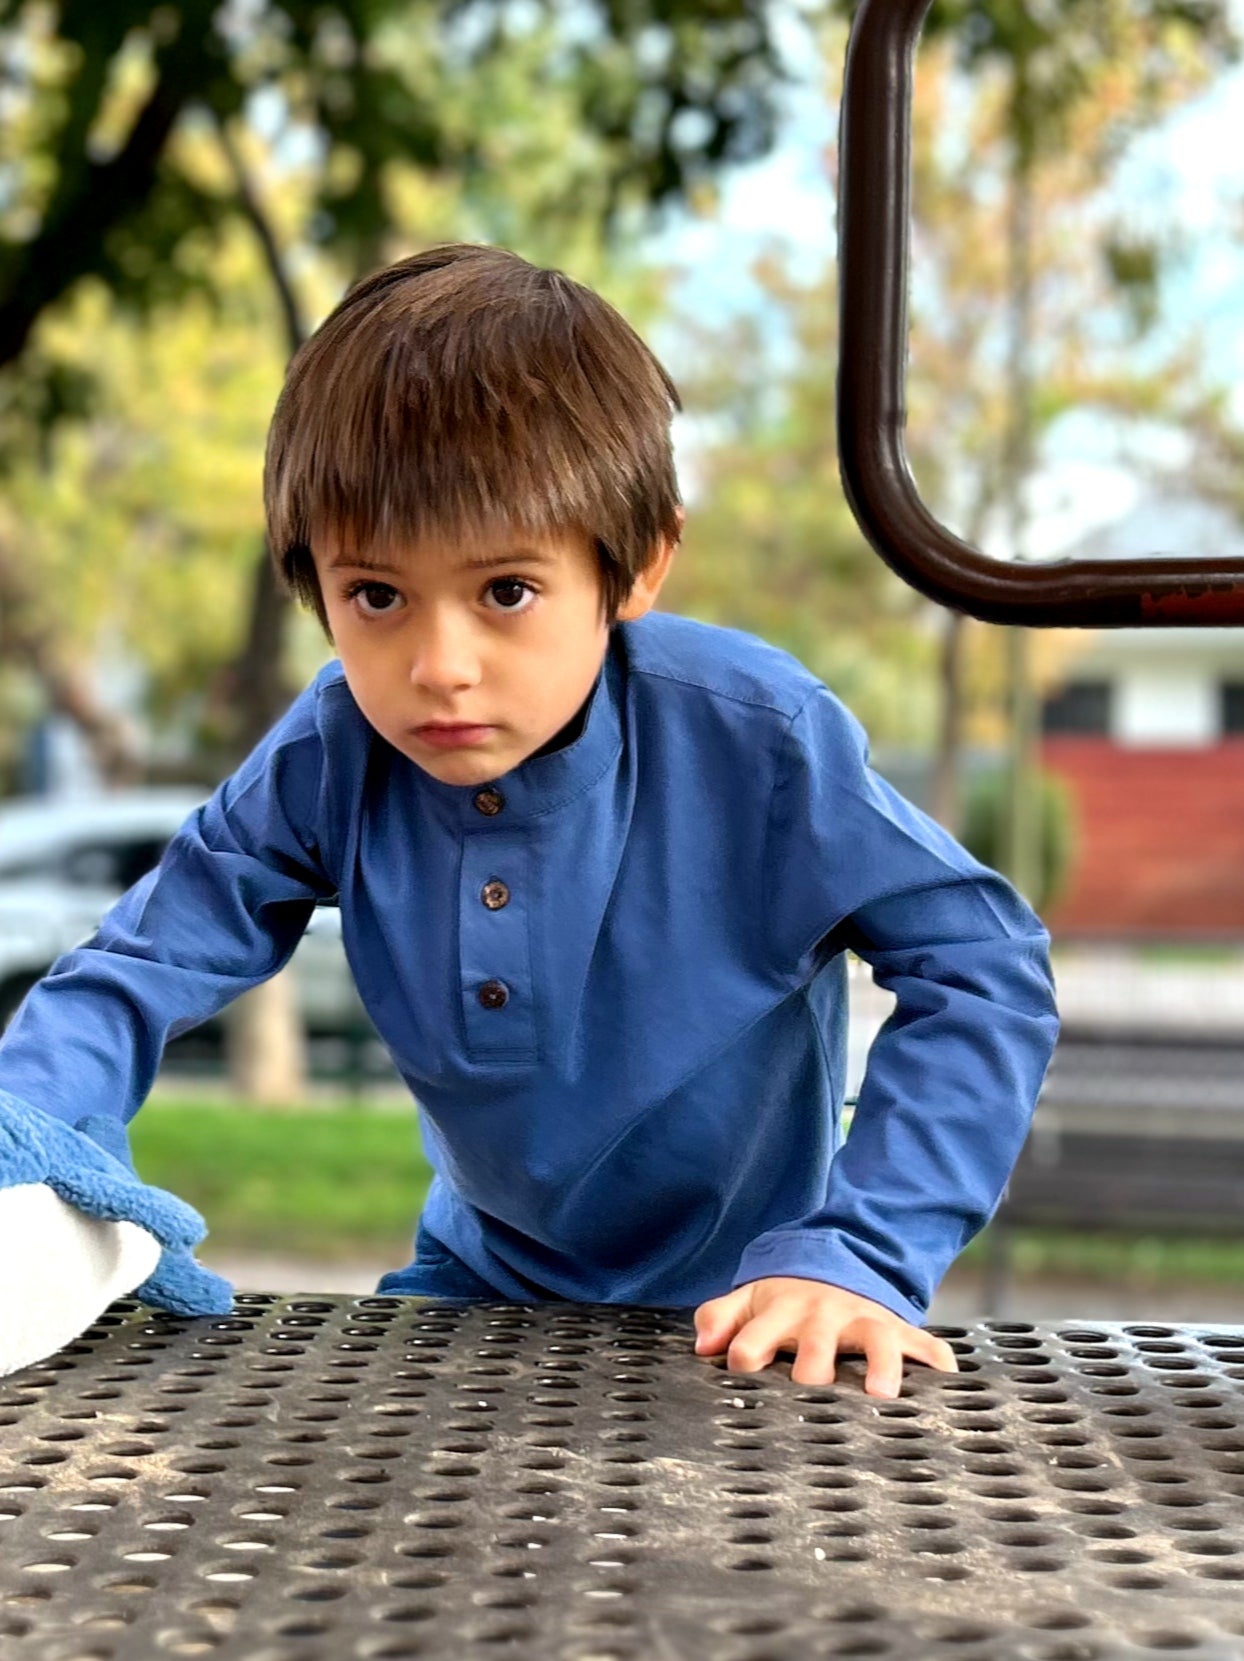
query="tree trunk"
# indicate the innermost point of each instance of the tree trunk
(265, 1038)
(252, 692)
(255, 689)
(266, 1045)
(89, 198)
(947, 802)
(24, 640)
(1022, 838)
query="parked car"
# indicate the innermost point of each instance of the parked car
(64, 862)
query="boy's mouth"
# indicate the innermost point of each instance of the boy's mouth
(446, 735)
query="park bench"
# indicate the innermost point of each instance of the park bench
(1136, 1131)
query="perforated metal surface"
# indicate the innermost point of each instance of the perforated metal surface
(316, 1479)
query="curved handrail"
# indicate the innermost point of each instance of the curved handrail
(874, 233)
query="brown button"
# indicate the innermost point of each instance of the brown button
(494, 895)
(494, 994)
(489, 802)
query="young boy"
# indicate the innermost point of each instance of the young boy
(597, 870)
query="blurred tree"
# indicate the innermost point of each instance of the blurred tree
(136, 534)
(106, 176)
(1079, 77)
(108, 171)
(1085, 310)
(984, 829)
(771, 545)
(664, 92)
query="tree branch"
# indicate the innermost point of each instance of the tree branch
(253, 689)
(90, 200)
(68, 692)
(248, 201)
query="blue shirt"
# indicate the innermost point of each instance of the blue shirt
(630, 1073)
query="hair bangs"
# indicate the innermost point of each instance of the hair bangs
(465, 397)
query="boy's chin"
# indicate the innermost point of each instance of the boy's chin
(467, 767)
(463, 770)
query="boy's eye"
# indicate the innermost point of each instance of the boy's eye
(374, 599)
(511, 593)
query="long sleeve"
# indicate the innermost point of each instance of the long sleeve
(223, 911)
(953, 1077)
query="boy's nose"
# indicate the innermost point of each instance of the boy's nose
(444, 659)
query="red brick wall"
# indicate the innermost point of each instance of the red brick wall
(1160, 838)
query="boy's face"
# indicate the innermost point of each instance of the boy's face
(468, 657)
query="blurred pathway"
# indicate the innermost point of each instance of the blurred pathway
(261, 1272)
(1085, 1300)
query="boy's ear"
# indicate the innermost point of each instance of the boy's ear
(647, 585)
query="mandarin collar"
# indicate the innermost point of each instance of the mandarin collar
(542, 784)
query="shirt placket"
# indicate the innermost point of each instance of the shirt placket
(498, 1004)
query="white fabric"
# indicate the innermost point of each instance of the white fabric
(59, 1271)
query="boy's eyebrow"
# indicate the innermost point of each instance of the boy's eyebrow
(359, 562)
(475, 562)
(511, 556)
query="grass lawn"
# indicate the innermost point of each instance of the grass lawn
(337, 1181)
(348, 1180)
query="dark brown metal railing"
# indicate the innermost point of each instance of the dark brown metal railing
(874, 199)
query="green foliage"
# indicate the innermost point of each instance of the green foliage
(985, 821)
(771, 545)
(140, 142)
(50, 389)
(1057, 56)
(99, 97)
(1135, 267)
(137, 526)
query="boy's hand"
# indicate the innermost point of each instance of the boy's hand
(819, 1322)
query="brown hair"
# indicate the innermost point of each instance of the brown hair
(464, 389)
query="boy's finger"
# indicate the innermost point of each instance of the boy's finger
(934, 1352)
(758, 1341)
(717, 1321)
(884, 1356)
(816, 1360)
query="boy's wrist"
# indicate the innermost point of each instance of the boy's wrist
(826, 1256)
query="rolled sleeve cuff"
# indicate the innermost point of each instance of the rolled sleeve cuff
(812, 1255)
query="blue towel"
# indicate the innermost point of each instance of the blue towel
(89, 1165)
